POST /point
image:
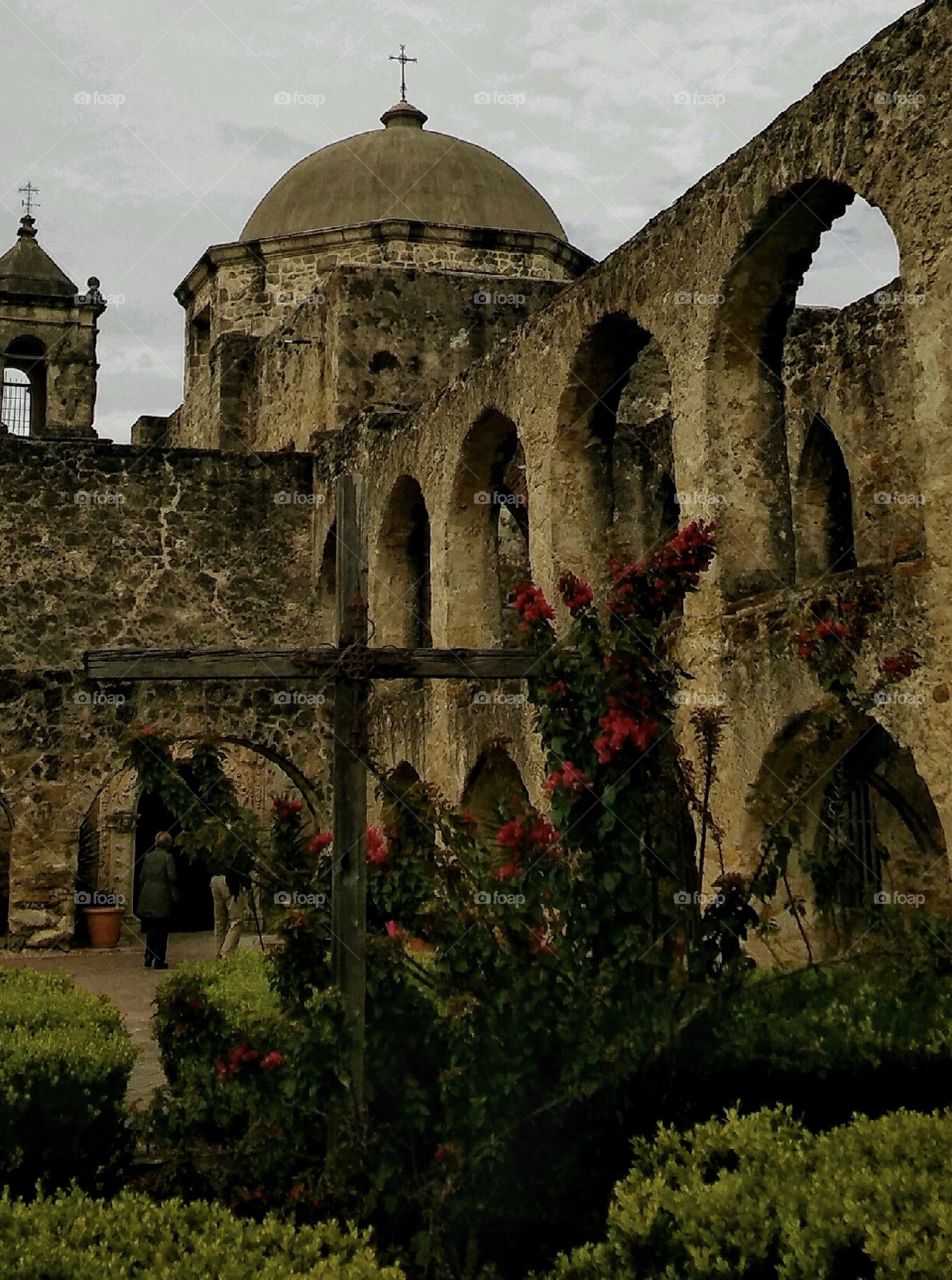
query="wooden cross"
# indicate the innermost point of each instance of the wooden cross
(402, 58)
(28, 192)
(352, 665)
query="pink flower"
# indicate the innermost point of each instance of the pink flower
(393, 929)
(377, 851)
(320, 842)
(271, 1061)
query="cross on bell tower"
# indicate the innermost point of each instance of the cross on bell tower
(28, 192)
(402, 58)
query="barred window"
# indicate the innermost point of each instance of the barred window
(16, 409)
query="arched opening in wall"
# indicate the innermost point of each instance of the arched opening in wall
(487, 534)
(494, 790)
(400, 575)
(327, 587)
(23, 403)
(823, 506)
(614, 463)
(870, 833)
(746, 390)
(856, 257)
(122, 821)
(6, 838)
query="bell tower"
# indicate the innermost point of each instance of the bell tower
(48, 332)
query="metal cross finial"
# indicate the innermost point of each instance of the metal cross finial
(402, 58)
(28, 192)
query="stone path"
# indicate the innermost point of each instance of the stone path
(121, 975)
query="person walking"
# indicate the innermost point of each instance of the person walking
(158, 893)
(231, 896)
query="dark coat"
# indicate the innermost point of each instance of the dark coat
(158, 888)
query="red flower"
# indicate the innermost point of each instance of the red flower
(377, 851)
(393, 929)
(271, 1061)
(531, 606)
(899, 666)
(146, 731)
(557, 689)
(472, 825)
(568, 776)
(286, 808)
(623, 729)
(441, 1153)
(576, 594)
(320, 842)
(507, 872)
(832, 630)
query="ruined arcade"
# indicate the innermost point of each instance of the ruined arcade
(407, 306)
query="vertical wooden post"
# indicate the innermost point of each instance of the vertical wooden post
(349, 884)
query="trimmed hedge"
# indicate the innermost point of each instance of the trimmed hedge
(828, 1042)
(65, 1059)
(72, 1237)
(760, 1197)
(204, 1009)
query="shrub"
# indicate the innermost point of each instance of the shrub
(760, 1196)
(878, 1037)
(204, 1010)
(63, 1076)
(73, 1237)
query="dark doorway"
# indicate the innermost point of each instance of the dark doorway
(194, 912)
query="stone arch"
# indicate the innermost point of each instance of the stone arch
(121, 821)
(847, 781)
(746, 395)
(488, 542)
(823, 506)
(23, 405)
(493, 789)
(613, 464)
(400, 593)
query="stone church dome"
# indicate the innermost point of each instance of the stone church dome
(402, 171)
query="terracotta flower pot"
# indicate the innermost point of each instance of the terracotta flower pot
(104, 925)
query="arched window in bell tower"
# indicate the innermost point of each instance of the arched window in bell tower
(23, 405)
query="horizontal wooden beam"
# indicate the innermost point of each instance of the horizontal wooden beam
(327, 662)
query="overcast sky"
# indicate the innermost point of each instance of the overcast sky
(153, 127)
